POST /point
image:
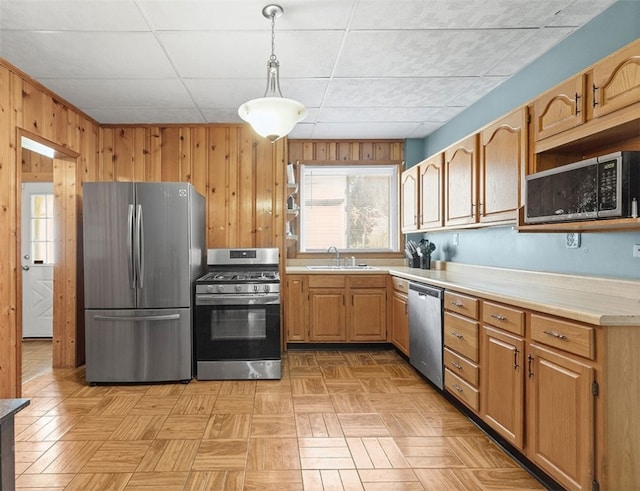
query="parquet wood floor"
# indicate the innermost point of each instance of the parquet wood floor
(336, 421)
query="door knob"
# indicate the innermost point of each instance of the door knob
(25, 267)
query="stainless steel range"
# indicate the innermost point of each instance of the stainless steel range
(237, 316)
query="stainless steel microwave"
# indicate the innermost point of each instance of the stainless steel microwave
(600, 187)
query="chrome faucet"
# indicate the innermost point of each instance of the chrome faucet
(335, 249)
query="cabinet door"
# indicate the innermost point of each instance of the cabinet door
(409, 193)
(561, 417)
(503, 156)
(327, 314)
(460, 164)
(502, 396)
(560, 109)
(431, 184)
(368, 315)
(400, 322)
(616, 81)
(295, 308)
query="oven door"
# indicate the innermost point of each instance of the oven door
(237, 327)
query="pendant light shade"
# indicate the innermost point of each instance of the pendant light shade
(272, 116)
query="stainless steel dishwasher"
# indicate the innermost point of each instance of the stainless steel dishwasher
(425, 331)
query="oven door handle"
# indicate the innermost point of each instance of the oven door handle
(239, 299)
(166, 317)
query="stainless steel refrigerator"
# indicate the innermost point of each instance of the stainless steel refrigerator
(144, 246)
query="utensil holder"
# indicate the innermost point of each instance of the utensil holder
(425, 262)
(414, 262)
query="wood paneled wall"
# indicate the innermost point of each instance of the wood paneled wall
(240, 174)
(27, 108)
(367, 151)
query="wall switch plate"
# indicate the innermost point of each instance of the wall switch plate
(636, 250)
(572, 240)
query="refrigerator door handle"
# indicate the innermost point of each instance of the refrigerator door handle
(130, 260)
(140, 246)
(135, 318)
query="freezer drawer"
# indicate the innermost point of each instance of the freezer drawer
(138, 345)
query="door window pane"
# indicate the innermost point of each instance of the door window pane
(42, 228)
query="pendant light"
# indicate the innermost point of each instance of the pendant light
(272, 116)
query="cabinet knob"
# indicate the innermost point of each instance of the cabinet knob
(500, 317)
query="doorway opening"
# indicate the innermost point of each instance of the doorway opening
(48, 218)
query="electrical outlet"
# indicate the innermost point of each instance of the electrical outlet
(636, 250)
(572, 240)
(456, 239)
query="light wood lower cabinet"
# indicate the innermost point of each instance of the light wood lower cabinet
(561, 417)
(296, 308)
(461, 348)
(537, 394)
(336, 308)
(398, 313)
(503, 384)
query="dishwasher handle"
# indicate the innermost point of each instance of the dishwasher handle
(423, 290)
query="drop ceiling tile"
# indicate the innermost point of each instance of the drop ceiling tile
(424, 53)
(245, 15)
(395, 92)
(230, 115)
(363, 130)
(374, 114)
(122, 93)
(213, 93)
(235, 54)
(424, 130)
(454, 14)
(75, 15)
(529, 49)
(144, 115)
(580, 12)
(478, 88)
(301, 131)
(85, 54)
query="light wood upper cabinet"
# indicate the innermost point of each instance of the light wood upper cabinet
(616, 81)
(503, 157)
(430, 185)
(560, 109)
(561, 417)
(409, 193)
(460, 178)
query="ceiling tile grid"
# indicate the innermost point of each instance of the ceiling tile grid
(363, 68)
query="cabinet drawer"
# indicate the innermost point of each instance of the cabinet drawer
(506, 318)
(455, 302)
(327, 281)
(567, 336)
(400, 284)
(367, 281)
(461, 390)
(461, 335)
(461, 367)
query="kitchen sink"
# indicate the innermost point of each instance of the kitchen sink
(334, 267)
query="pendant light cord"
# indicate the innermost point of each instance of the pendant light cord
(273, 56)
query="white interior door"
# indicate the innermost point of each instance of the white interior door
(37, 259)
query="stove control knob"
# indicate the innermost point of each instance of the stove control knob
(220, 288)
(238, 288)
(209, 288)
(255, 288)
(266, 288)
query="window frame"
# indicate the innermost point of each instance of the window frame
(398, 165)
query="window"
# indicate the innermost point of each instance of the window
(41, 218)
(352, 207)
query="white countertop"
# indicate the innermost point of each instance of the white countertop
(594, 300)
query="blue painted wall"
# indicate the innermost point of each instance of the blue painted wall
(600, 254)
